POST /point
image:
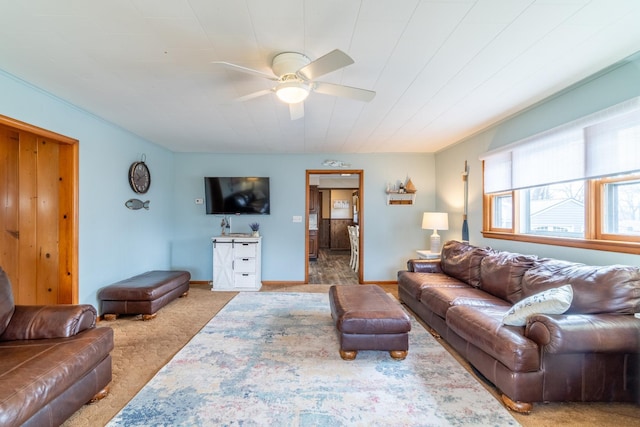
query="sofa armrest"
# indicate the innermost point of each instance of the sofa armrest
(31, 322)
(424, 265)
(605, 333)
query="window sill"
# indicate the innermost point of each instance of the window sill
(597, 245)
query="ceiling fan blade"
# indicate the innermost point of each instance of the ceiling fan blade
(254, 95)
(246, 70)
(332, 61)
(344, 91)
(296, 110)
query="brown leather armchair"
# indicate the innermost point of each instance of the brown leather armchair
(53, 360)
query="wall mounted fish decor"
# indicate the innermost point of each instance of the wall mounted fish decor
(136, 204)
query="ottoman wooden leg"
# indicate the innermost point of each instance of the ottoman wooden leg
(146, 317)
(101, 394)
(109, 317)
(348, 354)
(398, 354)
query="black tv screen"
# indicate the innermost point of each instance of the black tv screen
(237, 195)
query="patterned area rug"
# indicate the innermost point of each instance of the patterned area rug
(271, 359)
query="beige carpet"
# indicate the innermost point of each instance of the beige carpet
(142, 348)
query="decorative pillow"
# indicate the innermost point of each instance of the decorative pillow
(551, 301)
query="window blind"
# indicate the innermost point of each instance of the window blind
(497, 173)
(600, 144)
(614, 145)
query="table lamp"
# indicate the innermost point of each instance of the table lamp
(436, 221)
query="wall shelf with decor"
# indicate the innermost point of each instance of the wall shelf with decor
(396, 198)
(401, 193)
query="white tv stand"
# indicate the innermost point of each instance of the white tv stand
(237, 263)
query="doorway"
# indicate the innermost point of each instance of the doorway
(327, 220)
(38, 213)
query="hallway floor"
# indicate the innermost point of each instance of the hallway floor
(332, 267)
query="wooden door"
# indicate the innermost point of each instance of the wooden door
(38, 214)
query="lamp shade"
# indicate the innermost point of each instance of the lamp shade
(292, 92)
(435, 221)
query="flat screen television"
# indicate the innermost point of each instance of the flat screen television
(237, 195)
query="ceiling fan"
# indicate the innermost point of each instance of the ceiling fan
(295, 76)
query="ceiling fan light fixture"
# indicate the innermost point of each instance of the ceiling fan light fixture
(292, 92)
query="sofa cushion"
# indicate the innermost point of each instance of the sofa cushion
(6, 301)
(414, 283)
(483, 328)
(501, 274)
(608, 289)
(462, 261)
(439, 300)
(551, 301)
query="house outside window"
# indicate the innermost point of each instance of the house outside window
(575, 185)
(554, 210)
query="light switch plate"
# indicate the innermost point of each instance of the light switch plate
(297, 218)
(199, 201)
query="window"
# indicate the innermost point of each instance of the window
(574, 185)
(502, 206)
(621, 207)
(553, 210)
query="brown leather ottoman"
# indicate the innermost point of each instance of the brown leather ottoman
(368, 319)
(143, 294)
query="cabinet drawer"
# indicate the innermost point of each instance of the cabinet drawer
(245, 280)
(244, 265)
(243, 250)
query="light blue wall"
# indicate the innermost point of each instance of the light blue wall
(391, 233)
(115, 242)
(608, 88)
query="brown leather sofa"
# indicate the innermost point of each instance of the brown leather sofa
(589, 353)
(53, 360)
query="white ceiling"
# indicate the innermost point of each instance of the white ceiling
(442, 69)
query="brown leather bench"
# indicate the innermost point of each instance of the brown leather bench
(369, 319)
(143, 294)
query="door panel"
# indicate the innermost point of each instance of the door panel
(67, 246)
(38, 213)
(27, 265)
(9, 203)
(47, 222)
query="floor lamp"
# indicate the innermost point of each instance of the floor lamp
(436, 221)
